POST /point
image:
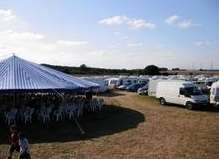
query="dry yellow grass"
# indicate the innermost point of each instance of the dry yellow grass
(131, 127)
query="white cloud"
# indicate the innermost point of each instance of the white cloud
(135, 44)
(177, 21)
(202, 43)
(6, 15)
(172, 19)
(10, 21)
(140, 24)
(71, 43)
(39, 48)
(130, 22)
(186, 24)
(16, 36)
(36, 47)
(21, 35)
(115, 20)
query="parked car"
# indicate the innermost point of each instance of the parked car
(123, 87)
(182, 93)
(143, 90)
(134, 87)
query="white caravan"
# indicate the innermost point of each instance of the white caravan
(180, 92)
(214, 93)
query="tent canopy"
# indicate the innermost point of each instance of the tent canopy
(17, 74)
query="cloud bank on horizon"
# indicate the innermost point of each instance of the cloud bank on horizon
(112, 41)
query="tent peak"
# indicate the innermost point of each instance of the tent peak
(13, 54)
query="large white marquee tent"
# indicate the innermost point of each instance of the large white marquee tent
(19, 75)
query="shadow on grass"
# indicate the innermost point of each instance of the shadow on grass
(111, 93)
(111, 120)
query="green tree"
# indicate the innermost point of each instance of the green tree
(83, 67)
(151, 70)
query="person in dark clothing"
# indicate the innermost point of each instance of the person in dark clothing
(13, 141)
(89, 95)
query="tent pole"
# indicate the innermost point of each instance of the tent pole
(75, 120)
(79, 126)
(14, 99)
(24, 100)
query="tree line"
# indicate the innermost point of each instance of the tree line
(85, 70)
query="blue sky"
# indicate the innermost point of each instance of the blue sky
(112, 34)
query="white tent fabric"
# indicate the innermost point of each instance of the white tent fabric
(19, 74)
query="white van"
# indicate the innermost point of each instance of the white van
(180, 92)
(214, 93)
(152, 86)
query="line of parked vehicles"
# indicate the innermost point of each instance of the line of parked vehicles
(190, 92)
(186, 93)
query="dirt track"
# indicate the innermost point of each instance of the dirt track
(137, 127)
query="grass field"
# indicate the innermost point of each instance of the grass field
(130, 127)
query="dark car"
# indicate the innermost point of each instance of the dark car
(124, 86)
(134, 87)
(143, 90)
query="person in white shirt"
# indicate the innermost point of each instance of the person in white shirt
(24, 147)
